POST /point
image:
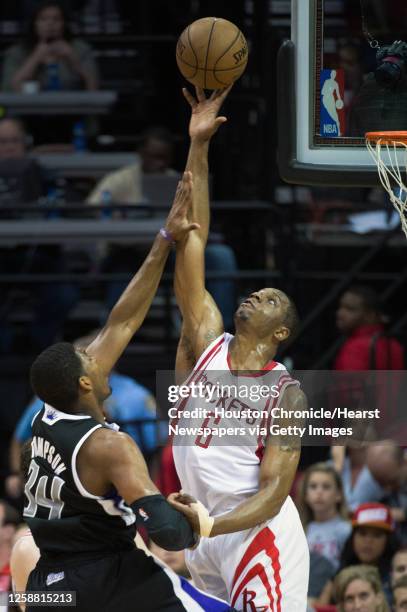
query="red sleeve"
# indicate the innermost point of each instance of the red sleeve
(167, 480)
(354, 355)
(389, 354)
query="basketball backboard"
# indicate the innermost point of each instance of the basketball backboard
(330, 91)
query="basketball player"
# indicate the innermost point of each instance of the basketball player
(87, 483)
(259, 559)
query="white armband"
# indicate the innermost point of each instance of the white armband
(205, 520)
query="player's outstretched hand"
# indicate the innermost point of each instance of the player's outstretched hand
(177, 221)
(204, 120)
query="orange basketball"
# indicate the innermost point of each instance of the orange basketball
(211, 53)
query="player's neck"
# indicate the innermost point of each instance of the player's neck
(248, 353)
(92, 409)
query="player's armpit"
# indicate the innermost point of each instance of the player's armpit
(195, 340)
(185, 358)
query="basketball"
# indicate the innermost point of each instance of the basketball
(339, 104)
(211, 53)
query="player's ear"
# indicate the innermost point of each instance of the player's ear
(85, 384)
(282, 333)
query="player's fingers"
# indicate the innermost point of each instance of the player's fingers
(224, 92)
(200, 94)
(220, 120)
(185, 497)
(187, 177)
(190, 228)
(172, 497)
(181, 507)
(221, 94)
(189, 97)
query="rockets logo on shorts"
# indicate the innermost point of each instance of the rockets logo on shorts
(143, 514)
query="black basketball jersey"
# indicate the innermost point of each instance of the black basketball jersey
(62, 515)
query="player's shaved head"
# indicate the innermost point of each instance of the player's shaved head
(291, 319)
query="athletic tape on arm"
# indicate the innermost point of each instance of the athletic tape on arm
(205, 520)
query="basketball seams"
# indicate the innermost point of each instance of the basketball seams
(205, 72)
(207, 50)
(218, 70)
(194, 52)
(225, 51)
(223, 54)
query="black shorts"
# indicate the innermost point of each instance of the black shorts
(118, 582)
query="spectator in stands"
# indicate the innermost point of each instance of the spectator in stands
(22, 180)
(387, 464)
(125, 186)
(321, 574)
(9, 520)
(359, 588)
(359, 485)
(323, 512)
(367, 347)
(130, 406)
(157, 151)
(53, 300)
(400, 595)
(12, 139)
(372, 542)
(398, 565)
(49, 54)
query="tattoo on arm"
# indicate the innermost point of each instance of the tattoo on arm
(210, 336)
(290, 445)
(289, 440)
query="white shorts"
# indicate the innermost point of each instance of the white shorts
(261, 569)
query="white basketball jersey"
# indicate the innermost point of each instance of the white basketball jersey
(219, 474)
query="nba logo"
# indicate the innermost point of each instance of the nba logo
(143, 514)
(332, 114)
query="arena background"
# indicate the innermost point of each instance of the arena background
(292, 237)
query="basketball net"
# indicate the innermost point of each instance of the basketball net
(384, 148)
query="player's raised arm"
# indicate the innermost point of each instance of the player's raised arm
(277, 471)
(112, 458)
(202, 321)
(129, 312)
